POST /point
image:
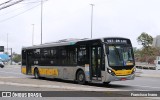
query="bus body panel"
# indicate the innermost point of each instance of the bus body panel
(23, 69)
(109, 77)
(61, 72)
(95, 67)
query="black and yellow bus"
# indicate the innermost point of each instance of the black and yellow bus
(83, 60)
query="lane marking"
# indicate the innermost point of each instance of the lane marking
(60, 87)
(11, 67)
(9, 77)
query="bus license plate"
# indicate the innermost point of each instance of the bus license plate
(123, 79)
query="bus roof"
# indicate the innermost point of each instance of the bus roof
(70, 41)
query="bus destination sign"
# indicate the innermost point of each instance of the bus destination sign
(117, 41)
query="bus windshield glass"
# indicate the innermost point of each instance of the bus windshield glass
(120, 55)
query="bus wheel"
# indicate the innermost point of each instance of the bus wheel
(81, 77)
(36, 74)
(106, 83)
(2, 66)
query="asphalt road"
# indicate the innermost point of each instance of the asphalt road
(11, 79)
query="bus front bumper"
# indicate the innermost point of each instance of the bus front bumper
(110, 77)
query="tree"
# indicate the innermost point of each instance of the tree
(145, 39)
(6, 53)
(17, 58)
(147, 53)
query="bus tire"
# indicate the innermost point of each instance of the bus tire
(1, 66)
(81, 77)
(106, 83)
(36, 74)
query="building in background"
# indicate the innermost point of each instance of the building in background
(156, 41)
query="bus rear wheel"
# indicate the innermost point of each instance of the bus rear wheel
(36, 74)
(81, 77)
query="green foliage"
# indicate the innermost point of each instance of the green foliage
(147, 53)
(6, 53)
(145, 39)
(16, 58)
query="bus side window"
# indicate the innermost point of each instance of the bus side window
(63, 56)
(82, 56)
(23, 57)
(36, 56)
(72, 56)
(53, 56)
(45, 60)
(158, 62)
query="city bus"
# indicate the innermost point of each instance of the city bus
(82, 60)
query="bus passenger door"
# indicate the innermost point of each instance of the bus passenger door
(28, 62)
(96, 63)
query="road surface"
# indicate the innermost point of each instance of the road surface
(11, 79)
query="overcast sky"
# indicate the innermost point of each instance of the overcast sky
(72, 19)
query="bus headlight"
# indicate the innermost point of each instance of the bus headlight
(134, 70)
(110, 72)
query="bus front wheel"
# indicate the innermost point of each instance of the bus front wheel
(81, 77)
(36, 74)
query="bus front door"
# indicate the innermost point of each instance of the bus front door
(96, 63)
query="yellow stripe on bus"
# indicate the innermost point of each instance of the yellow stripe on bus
(48, 71)
(23, 70)
(32, 71)
(122, 72)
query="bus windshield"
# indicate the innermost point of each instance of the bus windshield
(120, 55)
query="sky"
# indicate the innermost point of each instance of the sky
(64, 19)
